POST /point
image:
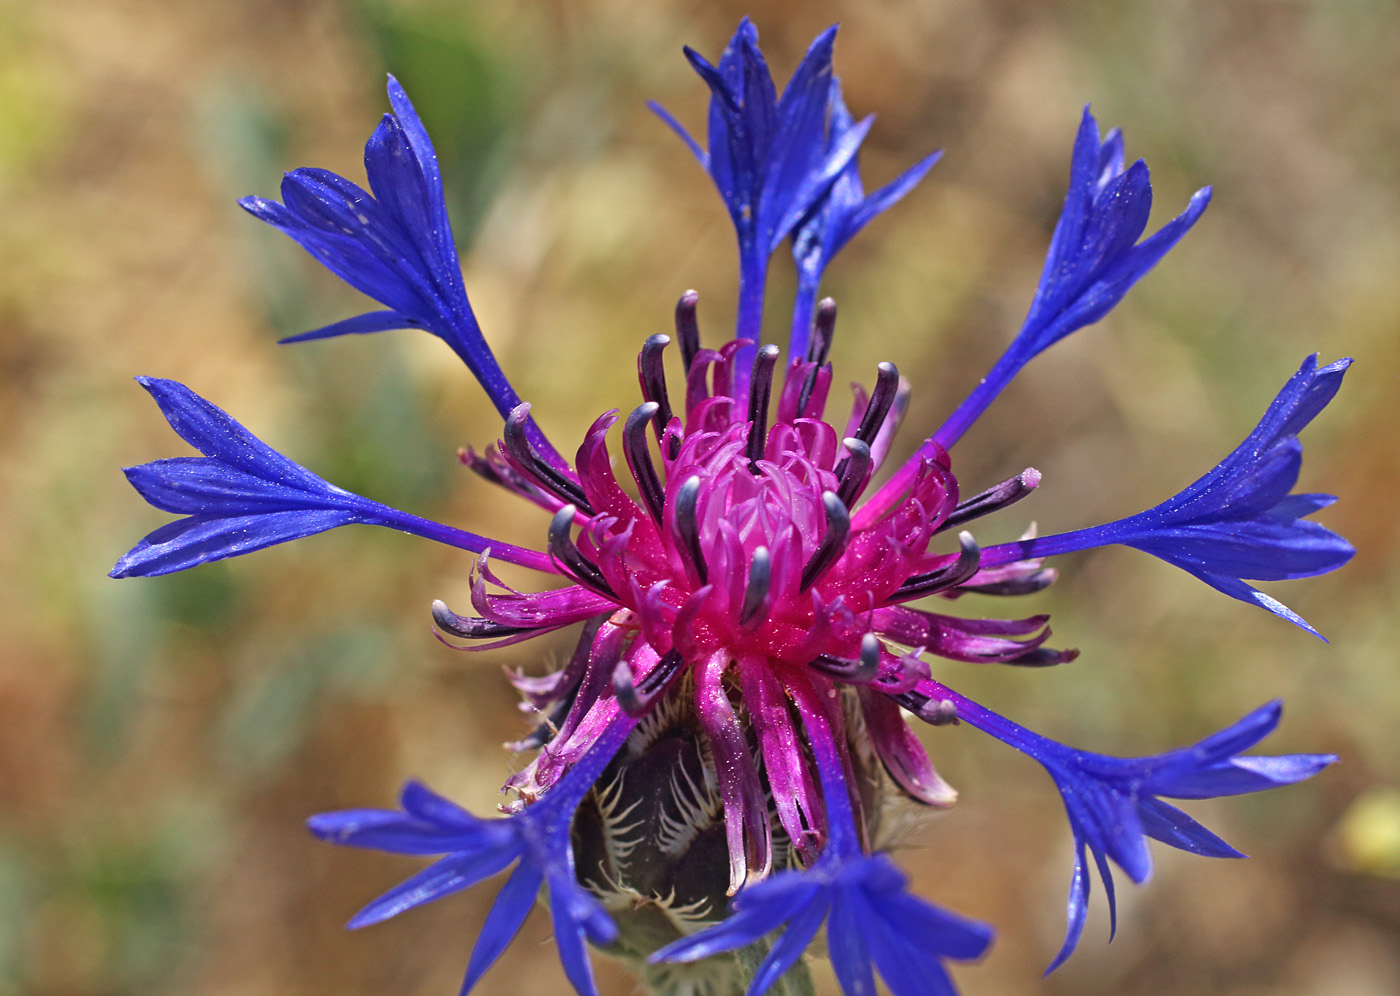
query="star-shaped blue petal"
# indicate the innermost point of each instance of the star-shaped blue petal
(1239, 520)
(242, 495)
(1114, 803)
(392, 242)
(1094, 259)
(536, 840)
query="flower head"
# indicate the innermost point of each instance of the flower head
(713, 760)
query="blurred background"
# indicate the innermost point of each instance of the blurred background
(161, 741)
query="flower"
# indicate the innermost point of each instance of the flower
(714, 758)
(536, 840)
(1113, 803)
(1239, 520)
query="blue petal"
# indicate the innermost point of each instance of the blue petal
(907, 965)
(442, 878)
(1163, 821)
(576, 914)
(513, 904)
(245, 496)
(373, 321)
(845, 942)
(1091, 264)
(196, 540)
(788, 949)
(671, 122)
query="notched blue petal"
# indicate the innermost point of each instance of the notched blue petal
(538, 837)
(393, 243)
(1094, 259)
(1238, 520)
(243, 495)
(872, 922)
(1114, 804)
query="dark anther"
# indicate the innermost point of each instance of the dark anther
(861, 671)
(1006, 493)
(636, 697)
(833, 544)
(937, 712)
(760, 388)
(471, 627)
(1027, 584)
(851, 471)
(969, 558)
(823, 331)
(756, 600)
(688, 327)
(652, 375)
(517, 444)
(688, 527)
(634, 448)
(562, 549)
(886, 385)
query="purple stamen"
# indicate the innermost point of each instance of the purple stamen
(760, 389)
(688, 528)
(1006, 493)
(635, 697)
(756, 600)
(861, 671)
(951, 576)
(522, 451)
(833, 544)
(853, 471)
(886, 386)
(1027, 584)
(652, 375)
(567, 554)
(634, 448)
(472, 627)
(823, 331)
(688, 327)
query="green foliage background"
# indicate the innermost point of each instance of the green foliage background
(161, 741)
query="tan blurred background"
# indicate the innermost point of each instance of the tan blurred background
(161, 741)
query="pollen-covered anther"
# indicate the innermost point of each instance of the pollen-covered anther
(881, 398)
(935, 712)
(757, 600)
(853, 471)
(823, 331)
(634, 448)
(1006, 493)
(688, 327)
(861, 671)
(687, 529)
(516, 443)
(563, 550)
(760, 389)
(960, 570)
(652, 375)
(472, 627)
(833, 543)
(636, 697)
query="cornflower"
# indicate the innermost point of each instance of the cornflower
(712, 760)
